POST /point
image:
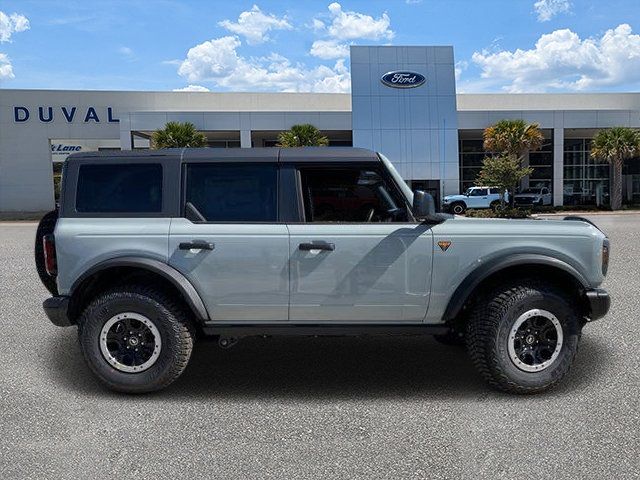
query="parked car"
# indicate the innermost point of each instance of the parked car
(150, 251)
(474, 197)
(537, 196)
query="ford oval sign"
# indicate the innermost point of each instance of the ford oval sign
(402, 79)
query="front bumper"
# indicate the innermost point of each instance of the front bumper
(599, 302)
(57, 309)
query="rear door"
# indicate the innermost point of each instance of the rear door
(229, 242)
(357, 255)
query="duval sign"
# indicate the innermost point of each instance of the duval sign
(47, 114)
(403, 79)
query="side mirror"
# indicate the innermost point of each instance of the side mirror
(423, 205)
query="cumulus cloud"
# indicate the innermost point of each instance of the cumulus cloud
(192, 88)
(561, 60)
(10, 24)
(346, 26)
(329, 49)
(6, 70)
(255, 24)
(353, 25)
(547, 9)
(218, 61)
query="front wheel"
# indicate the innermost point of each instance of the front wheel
(458, 208)
(135, 339)
(523, 338)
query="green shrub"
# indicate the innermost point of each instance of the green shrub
(506, 212)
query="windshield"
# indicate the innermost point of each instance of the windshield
(531, 190)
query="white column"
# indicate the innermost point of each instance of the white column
(245, 138)
(558, 166)
(126, 140)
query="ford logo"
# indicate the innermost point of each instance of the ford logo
(401, 79)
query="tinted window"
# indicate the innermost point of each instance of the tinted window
(478, 192)
(232, 192)
(119, 188)
(350, 195)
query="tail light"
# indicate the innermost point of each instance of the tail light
(605, 256)
(49, 247)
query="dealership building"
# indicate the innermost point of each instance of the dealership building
(413, 116)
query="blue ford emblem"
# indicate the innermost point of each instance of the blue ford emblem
(402, 79)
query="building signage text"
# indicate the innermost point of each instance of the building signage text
(47, 114)
(402, 79)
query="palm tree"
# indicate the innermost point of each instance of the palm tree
(513, 139)
(178, 135)
(304, 135)
(615, 145)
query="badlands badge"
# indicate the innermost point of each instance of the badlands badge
(444, 245)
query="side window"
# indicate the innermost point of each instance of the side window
(545, 191)
(231, 192)
(119, 188)
(478, 192)
(350, 194)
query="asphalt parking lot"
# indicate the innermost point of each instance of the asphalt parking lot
(324, 408)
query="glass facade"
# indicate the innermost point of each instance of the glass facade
(586, 181)
(472, 153)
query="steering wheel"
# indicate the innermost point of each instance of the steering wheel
(370, 215)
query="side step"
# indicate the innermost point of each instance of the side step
(316, 330)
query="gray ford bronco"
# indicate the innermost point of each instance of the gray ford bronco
(149, 251)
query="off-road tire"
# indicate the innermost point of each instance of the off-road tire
(489, 327)
(45, 227)
(168, 315)
(460, 206)
(495, 206)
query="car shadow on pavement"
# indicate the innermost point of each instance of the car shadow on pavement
(299, 368)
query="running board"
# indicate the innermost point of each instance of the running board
(313, 330)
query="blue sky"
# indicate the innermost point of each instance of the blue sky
(500, 46)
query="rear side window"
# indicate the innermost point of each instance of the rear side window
(233, 193)
(119, 188)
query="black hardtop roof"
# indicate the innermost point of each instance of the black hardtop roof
(273, 154)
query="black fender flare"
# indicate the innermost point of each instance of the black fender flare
(485, 270)
(169, 273)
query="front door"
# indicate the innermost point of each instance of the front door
(229, 243)
(357, 256)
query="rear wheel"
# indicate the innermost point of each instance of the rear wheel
(136, 339)
(45, 227)
(458, 208)
(523, 337)
(496, 206)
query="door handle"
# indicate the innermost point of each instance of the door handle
(330, 247)
(196, 245)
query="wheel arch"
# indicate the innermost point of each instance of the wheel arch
(523, 265)
(119, 271)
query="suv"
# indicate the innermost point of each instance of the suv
(151, 250)
(474, 197)
(538, 196)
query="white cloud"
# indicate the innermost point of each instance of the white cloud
(353, 25)
(192, 88)
(127, 53)
(6, 70)
(218, 61)
(329, 49)
(561, 60)
(10, 24)
(547, 9)
(254, 25)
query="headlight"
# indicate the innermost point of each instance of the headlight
(445, 200)
(605, 256)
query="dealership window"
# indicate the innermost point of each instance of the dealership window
(119, 188)
(472, 154)
(350, 194)
(226, 192)
(586, 181)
